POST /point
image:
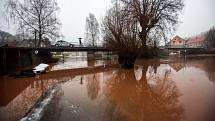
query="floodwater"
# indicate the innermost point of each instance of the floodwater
(71, 60)
(173, 89)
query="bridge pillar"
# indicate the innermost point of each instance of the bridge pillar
(19, 60)
(90, 58)
(4, 60)
(90, 55)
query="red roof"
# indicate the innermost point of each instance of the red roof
(196, 39)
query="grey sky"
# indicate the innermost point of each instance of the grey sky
(198, 16)
(73, 15)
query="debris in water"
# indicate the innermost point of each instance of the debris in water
(41, 68)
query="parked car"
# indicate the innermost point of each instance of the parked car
(62, 43)
(175, 53)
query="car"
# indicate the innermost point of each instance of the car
(175, 53)
(62, 43)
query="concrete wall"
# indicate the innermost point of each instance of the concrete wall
(14, 60)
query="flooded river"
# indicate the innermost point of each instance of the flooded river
(173, 89)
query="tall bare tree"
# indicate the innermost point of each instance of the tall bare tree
(35, 16)
(210, 38)
(154, 16)
(92, 30)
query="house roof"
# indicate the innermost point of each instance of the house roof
(196, 39)
(178, 38)
(177, 66)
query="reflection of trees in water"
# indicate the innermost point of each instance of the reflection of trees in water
(131, 100)
(23, 102)
(206, 64)
(210, 68)
(93, 86)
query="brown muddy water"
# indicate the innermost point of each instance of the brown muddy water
(173, 89)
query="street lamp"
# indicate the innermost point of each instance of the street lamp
(80, 43)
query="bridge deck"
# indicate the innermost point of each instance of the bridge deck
(184, 48)
(57, 49)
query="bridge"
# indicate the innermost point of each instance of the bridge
(15, 58)
(56, 49)
(187, 50)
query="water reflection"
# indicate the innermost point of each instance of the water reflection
(93, 86)
(83, 60)
(209, 67)
(156, 90)
(132, 100)
(19, 95)
(117, 95)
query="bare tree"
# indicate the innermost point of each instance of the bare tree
(155, 17)
(92, 30)
(210, 38)
(35, 16)
(120, 35)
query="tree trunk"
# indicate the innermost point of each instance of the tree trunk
(40, 32)
(144, 49)
(40, 36)
(40, 39)
(126, 62)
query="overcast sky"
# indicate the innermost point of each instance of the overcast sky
(198, 16)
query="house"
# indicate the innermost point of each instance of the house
(177, 42)
(196, 42)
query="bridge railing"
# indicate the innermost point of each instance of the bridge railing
(87, 45)
(77, 45)
(183, 46)
(175, 46)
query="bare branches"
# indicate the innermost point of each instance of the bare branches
(210, 38)
(92, 30)
(135, 27)
(35, 16)
(120, 32)
(151, 14)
